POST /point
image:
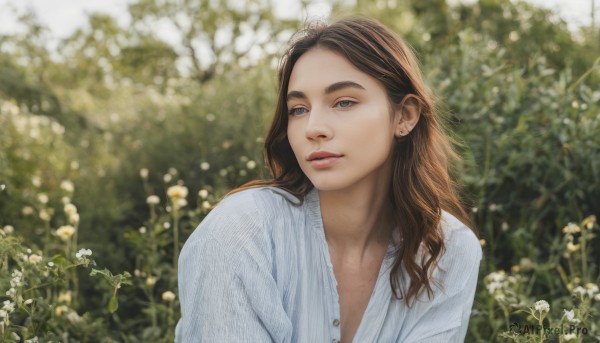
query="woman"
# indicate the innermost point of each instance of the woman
(360, 236)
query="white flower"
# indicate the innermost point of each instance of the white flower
(570, 315)
(493, 287)
(3, 314)
(65, 200)
(9, 306)
(82, 253)
(33, 258)
(204, 165)
(542, 306)
(74, 318)
(206, 204)
(15, 336)
(50, 264)
(251, 164)
(74, 218)
(168, 296)
(70, 209)
(570, 337)
(45, 215)
(592, 289)
(142, 230)
(8, 229)
(153, 200)
(144, 173)
(167, 178)
(580, 291)
(67, 186)
(11, 292)
(181, 203)
(28, 301)
(42, 198)
(36, 181)
(203, 193)
(65, 232)
(27, 210)
(167, 225)
(177, 192)
(33, 340)
(597, 297)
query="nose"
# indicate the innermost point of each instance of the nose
(317, 126)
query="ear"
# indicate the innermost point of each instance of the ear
(408, 112)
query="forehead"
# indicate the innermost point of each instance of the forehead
(318, 68)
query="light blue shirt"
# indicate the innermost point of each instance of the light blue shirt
(258, 269)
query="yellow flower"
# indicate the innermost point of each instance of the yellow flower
(515, 269)
(482, 242)
(150, 281)
(65, 297)
(60, 309)
(588, 222)
(571, 229)
(572, 247)
(65, 232)
(177, 192)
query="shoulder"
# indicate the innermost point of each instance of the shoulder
(459, 264)
(241, 218)
(459, 238)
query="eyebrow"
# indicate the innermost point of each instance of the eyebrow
(330, 89)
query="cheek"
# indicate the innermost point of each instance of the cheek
(292, 134)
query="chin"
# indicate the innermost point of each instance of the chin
(327, 183)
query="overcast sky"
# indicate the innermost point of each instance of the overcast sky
(63, 16)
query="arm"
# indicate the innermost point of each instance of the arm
(226, 289)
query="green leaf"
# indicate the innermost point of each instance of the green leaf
(113, 304)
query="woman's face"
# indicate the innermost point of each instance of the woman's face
(335, 107)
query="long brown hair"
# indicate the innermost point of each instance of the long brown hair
(421, 185)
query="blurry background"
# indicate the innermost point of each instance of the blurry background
(106, 103)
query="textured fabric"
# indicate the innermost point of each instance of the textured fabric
(258, 269)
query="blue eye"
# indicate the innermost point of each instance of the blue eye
(295, 111)
(344, 103)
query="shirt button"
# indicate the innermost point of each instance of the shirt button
(336, 322)
(335, 341)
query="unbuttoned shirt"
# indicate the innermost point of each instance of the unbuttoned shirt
(258, 269)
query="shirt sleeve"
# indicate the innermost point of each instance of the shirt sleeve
(226, 289)
(447, 319)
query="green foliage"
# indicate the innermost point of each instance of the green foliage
(117, 120)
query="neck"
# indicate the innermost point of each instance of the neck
(357, 220)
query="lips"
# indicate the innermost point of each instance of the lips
(323, 160)
(318, 155)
